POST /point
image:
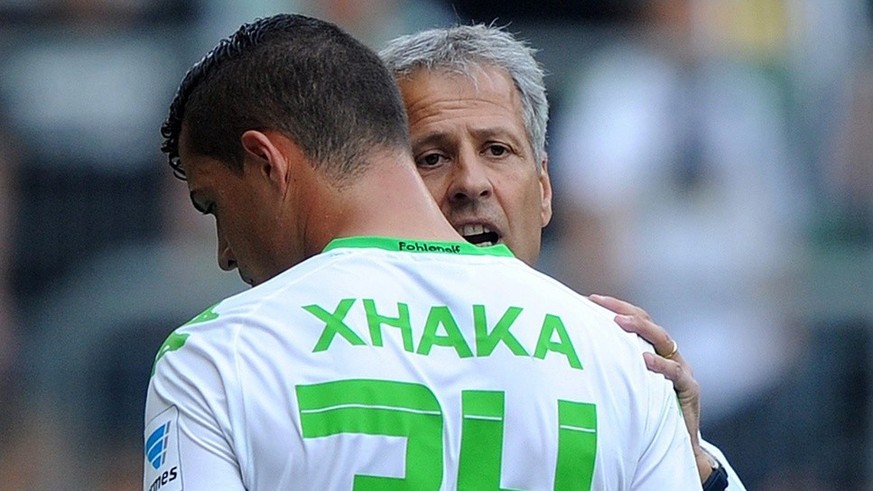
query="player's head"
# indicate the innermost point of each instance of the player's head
(478, 112)
(294, 74)
(280, 90)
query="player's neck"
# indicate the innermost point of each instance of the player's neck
(389, 200)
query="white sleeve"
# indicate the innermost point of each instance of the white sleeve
(187, 434)
(734, 483)
(667, 460)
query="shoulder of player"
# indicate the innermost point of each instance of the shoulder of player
(600, 330)
(559, 293)
(222, 322)
(211, 334)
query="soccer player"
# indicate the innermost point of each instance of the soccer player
(377, 349)
(477, 110)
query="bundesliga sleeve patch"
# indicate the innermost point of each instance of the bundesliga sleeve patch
(162, 470)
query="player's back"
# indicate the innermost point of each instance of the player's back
(442, 366)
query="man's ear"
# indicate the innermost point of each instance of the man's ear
(545, 191)
(267, 153)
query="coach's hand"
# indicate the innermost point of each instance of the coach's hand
(667, 362)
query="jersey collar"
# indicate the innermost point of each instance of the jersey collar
(410, 245)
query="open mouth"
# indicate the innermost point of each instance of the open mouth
(479, 235)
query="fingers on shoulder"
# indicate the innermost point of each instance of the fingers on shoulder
(646, 328)
(675, 370)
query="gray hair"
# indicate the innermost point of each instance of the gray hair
(460, 49)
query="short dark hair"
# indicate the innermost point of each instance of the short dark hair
(291, 73)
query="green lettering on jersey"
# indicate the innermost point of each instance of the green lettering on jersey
(485, 342)
(481, 440)
(333, 324)
(412, 411)
(442, 316)
(577, 445)
(173, 342)
(375, 322)
(552, 324)
(380, 407)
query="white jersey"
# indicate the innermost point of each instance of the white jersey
(410, 365)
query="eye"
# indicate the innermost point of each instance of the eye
(497, 150)
(429, 160)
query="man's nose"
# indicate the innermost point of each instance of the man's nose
(470, 181)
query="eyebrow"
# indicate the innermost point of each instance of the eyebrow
(442, 137)
(492, 132)
(432, 138)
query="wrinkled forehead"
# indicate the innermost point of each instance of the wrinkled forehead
(465, 71)
(484, 84)
(482, 102)
(481, 80)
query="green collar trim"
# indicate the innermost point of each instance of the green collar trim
(408, 245)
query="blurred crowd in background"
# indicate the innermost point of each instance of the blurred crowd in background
(712, 162)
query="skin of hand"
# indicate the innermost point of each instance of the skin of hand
(636, 320)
